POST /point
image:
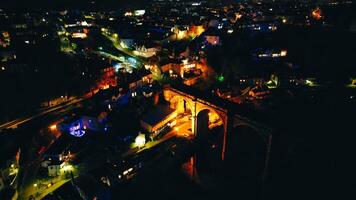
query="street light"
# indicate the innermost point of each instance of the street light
(53, 127)
(140, 140)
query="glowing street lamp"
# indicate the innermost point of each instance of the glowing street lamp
(53, 127)
(140, 140)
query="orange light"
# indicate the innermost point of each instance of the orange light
(238, 16)
(86, 31)
(317, 14)
(53, 127)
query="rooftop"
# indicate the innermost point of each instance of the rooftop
(157, 114)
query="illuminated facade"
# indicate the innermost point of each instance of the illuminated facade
(108, 78)
(195, 30)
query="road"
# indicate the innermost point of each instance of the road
(117, 45)
(42, 188)
(15, 123)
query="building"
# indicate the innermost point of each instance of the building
(147, 50)
(138, 80)
(172, 68)
(54, 168)
(108, 78)
(127, 43)
(157, 119)
(180, 32)
(212, 37)
(195, 30)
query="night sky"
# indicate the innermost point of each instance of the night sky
(43, 4)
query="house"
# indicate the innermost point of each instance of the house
(139, 79)
(173, 68)
(54, 168)
(179, 32)
(195, 30)
(108, 78)
(146, 49)
(212, 36)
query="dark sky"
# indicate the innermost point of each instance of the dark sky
(44, 4)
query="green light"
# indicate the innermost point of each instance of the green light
(221, 78)
(74, 45)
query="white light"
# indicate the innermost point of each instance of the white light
(79, 35)
(140, 140)
(284, 53)
(139, 12)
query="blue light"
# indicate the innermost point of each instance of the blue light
(117, 67)
(132, 60)
(77, 130)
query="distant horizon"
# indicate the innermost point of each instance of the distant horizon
(98, 4)
(70, 4)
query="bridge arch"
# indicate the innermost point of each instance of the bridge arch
(207, 118)
(181, 104)
(246, 152)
